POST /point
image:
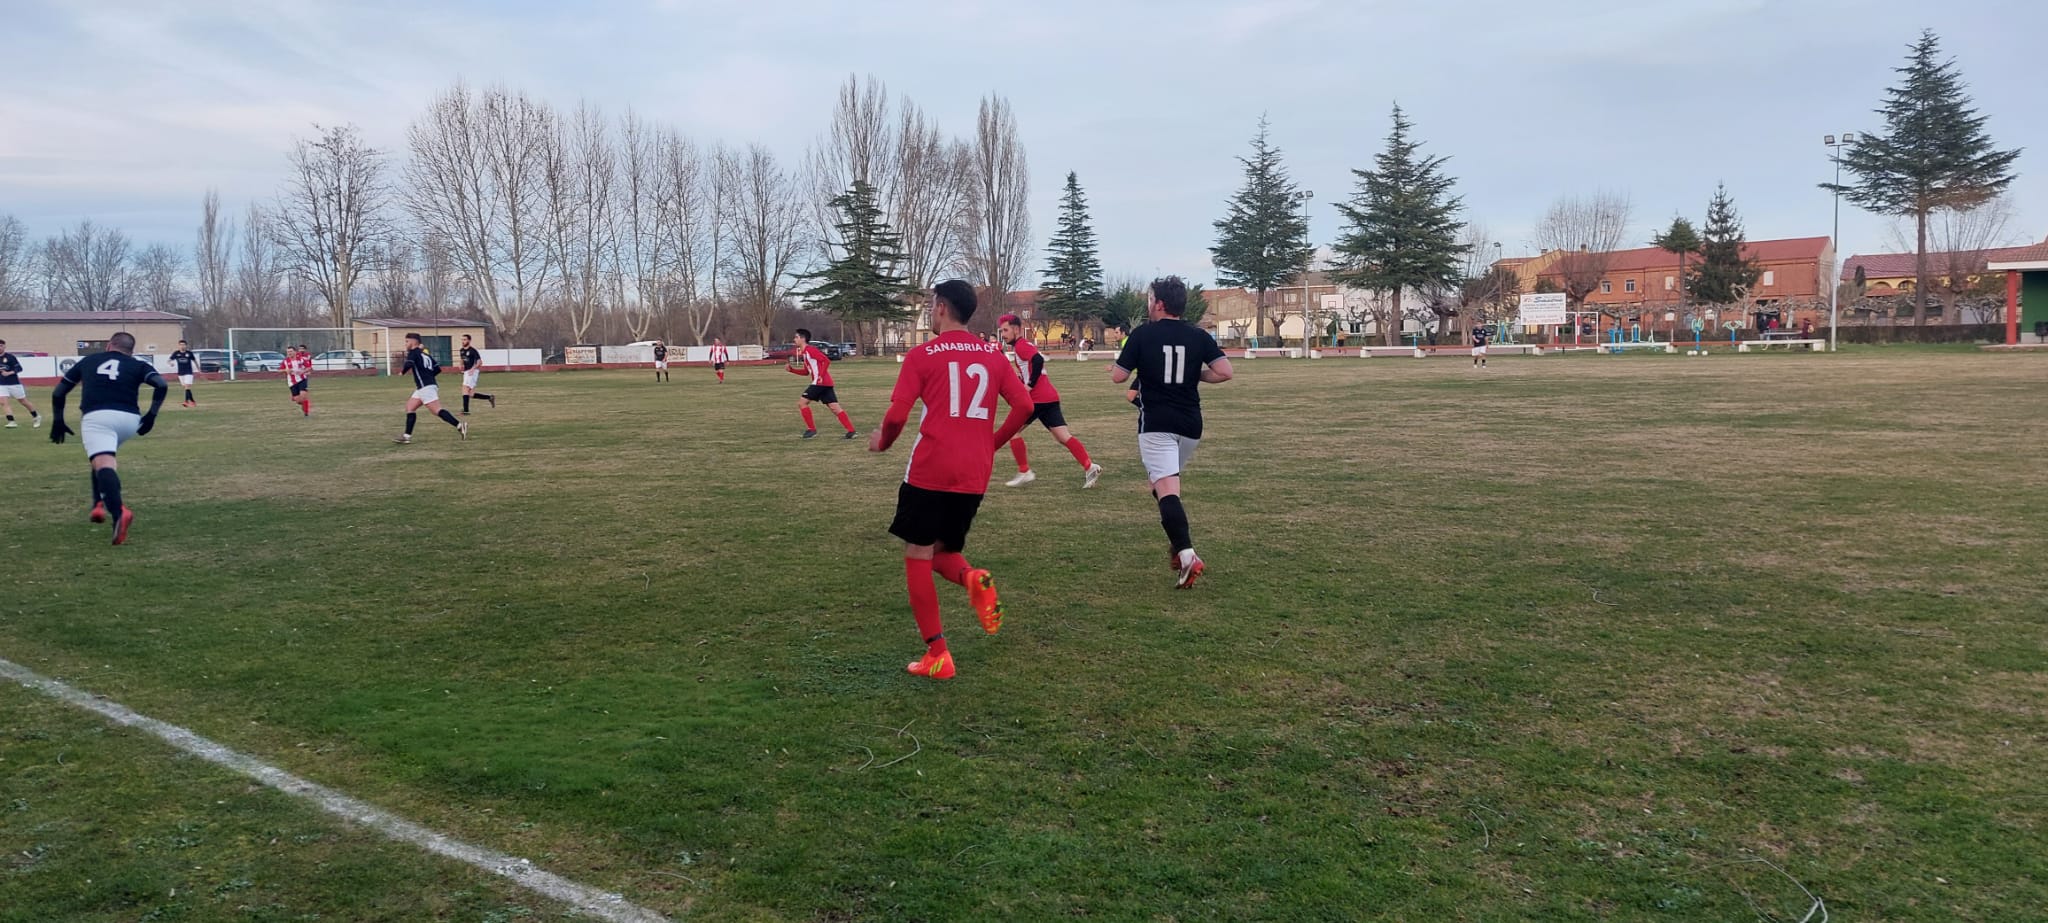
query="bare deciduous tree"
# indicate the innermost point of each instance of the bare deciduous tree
(693, 218)
(330, 215)
(14, 264)
(476, 181)
(1001, 202)
(640, 249)
(393, 292)
(859, 146)
(767, 221)
(436, 275)
(157, 271)
(210, 255)
(577, 184)
(932, 192)
(88, 268)
(1959, 241)
(1585, 232)
(257, 298)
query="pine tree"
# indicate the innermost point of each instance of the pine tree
(1681, 240)
(1933, 155)
(1403, 226)
(857, 286)
(1263, 242)
(1724, 274)
(1072, 290)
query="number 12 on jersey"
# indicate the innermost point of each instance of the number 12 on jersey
(1175, 369)
(976, 409)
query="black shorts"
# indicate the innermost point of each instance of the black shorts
(1049, 414)
(934, 517)
(823, 394)
(718, 366)
(299, 386)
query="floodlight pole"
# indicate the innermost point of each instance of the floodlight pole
(1835, 284)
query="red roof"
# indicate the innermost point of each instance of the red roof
(1791, 250)
(1899, 265)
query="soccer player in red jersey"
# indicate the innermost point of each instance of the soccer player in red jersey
(719, 356)
(958, 376)
(810, 359)
(1044, 397)
(298, 372)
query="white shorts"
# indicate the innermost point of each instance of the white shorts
(185, 380)
(428, 395)
(17, 392)
(469, 378)
(1479, 350)
(105, 430)
(1165, 454)
(661, 363)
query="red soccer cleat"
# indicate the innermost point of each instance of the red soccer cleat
(99, 512)
(981, 594)
(1190, 567)
(121, 528)
(935, 666)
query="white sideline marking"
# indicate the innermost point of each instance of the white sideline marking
(603, 905)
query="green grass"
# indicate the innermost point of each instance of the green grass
(1575, 639)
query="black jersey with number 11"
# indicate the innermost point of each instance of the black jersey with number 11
(1168, 357)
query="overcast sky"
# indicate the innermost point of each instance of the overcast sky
(126, 111)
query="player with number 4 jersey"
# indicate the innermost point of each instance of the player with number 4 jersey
(958, 376)
(109, 414)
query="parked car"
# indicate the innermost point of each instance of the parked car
(782, 352)
(336, 360)
(262, 361)
(214, 360)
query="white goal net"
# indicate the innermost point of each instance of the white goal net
(334, 349)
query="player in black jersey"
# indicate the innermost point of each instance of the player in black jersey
(12, 390)
(421, 366)
(1479, 337)
(109, 415)
(1171, 358)
(187, 366)
(660, 361)
(472, 370)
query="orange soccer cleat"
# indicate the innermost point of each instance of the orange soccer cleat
(936, 666)
(981, 594)
(99, 512)
(1189, 566)
(121, 528)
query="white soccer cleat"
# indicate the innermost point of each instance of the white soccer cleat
(1094, 474)
(1022, 478)
(462, 429)
(403, 439)
(13, 425)
(36, 422)
(1190, 567)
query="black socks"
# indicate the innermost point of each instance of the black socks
(465, 403)
(410, 419)
(188, 395)
(107, 483)
(1174, 518)
(445, 416)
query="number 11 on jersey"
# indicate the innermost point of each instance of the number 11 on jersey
(1175, 369)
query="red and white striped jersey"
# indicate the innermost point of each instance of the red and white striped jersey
(718, 353)
(298, 368)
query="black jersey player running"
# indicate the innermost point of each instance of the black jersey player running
(472, 371)
(11, 389)
(1171, 358)
(187, 366)
(110, 414)
(421, 365)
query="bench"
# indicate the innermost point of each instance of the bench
(1610, 348)
(1083, 355)
(1811, 345)
(1283, 352)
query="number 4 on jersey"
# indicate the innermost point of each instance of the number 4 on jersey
(110, 368)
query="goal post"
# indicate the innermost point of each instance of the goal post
(334, 349)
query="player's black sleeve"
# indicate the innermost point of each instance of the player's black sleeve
(1127, 358)
(1210, 350)
(1037, 370)
(163, 388)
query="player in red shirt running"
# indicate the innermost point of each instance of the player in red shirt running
(1031, 368)
(958, 376)
(719, 356)
(811, 360)
(298, 372)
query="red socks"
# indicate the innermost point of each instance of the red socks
(808, 422)
(924, 603)
(306, 406)
(1080, 452)
(721, 374)
(844, 420)
(1022, 457)
(951, 565)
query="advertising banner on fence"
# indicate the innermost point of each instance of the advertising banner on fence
(1542, 309)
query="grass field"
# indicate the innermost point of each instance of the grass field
(1575, 639)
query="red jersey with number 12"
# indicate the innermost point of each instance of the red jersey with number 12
(958, 376)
